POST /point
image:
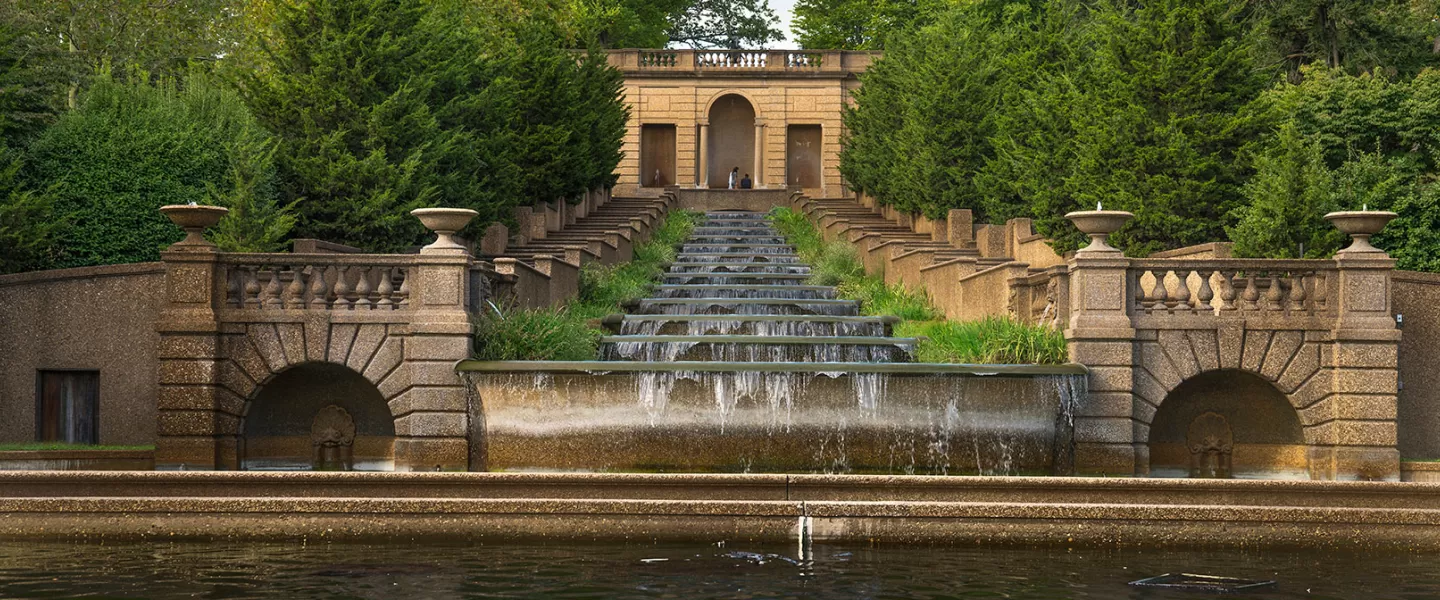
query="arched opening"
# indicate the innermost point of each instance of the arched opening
(1227, 424)
(732, 139)
(318, 416)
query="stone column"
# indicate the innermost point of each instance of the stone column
(1356, 438)
(197, 420)
(702, 179)
(757, 180)
(1101, 337)
(431, 415)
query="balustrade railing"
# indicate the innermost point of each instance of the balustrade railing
(317, 282)
(1232, 286)
(803, 60)
(658, 59)
(731, 59)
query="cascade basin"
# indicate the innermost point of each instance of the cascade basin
(701, 416)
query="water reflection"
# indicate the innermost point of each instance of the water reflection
(696, 571)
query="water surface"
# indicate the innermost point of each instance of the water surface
(415, 571)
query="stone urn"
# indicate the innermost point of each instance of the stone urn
(1360, 225)
(1099, 224)
(194, 219)
(444, 222)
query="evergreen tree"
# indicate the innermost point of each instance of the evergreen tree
(1156, 131)
(1286, 201)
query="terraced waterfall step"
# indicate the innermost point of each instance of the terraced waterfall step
(737, 292)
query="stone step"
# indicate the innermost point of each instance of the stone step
(842, 340)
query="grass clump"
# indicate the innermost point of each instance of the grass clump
(572, 332)
(993, 340)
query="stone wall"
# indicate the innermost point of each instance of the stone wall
(1417, 300)
(90, 318)
(681, 87)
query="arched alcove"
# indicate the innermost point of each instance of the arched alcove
(281, 429)
(1227, 423)
(732, 138)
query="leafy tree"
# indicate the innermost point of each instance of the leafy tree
(1359, 35)
(157, 38)
(859, 24)
(730, 24)
(1376, 140)
(622, 23)
(130, 148)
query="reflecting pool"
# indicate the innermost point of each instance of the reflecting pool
(415, 571)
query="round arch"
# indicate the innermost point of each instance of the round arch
(731, 143)
(1227, 423)
(317, 415)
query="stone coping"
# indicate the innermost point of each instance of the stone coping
(917, 369)
(617, 507)
(145, 268)
(76, 454)
(1420, 465)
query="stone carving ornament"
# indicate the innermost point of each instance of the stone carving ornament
(332, 435)
(1211, 445)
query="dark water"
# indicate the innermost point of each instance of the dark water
(415, 571)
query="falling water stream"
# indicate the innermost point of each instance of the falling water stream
(776, 375)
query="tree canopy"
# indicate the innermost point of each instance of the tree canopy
(1205, 118)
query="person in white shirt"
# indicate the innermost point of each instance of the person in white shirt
(734, 177)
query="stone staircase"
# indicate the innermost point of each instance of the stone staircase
(737, 293)
(554, 240)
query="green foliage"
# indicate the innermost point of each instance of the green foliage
(257, 222)
(385, 106)
(132, 147)
(572, 332)
(733, 24)
(878, 298)
(988, 341)
(32, 81)
(993, 341)
(1358, 35)
(27, 220)
(831, 263)
(858, 24)
(1286, 200)
(1345, 142)
(537, 334)
(622, 23)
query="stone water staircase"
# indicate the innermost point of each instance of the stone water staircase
(737, 293)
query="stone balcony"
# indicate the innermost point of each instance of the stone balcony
(745, 63)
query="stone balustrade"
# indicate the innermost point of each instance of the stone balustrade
(797, 62)
(317, 281)
(1232, 287)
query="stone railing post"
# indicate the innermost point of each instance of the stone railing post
(197, 421)
(432, 416)
(1358, 441)
(1101, 337)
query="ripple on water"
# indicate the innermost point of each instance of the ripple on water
(696, 571)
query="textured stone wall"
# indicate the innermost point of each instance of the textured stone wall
(1417, 298)
(92, 318)
(684, 97)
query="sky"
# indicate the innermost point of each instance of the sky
(782, 9)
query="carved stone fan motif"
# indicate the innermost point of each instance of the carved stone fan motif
(1211, 445)
(332, 435)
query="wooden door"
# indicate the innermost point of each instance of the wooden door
(68, 407)
(802, 160)
(657, 155)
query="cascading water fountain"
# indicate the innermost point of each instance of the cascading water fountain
(735, 363)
